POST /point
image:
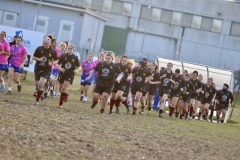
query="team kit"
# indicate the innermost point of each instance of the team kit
(115, 81)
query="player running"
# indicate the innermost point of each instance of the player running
(4, 53)
(141, 75)
(119, 88)
(224, 99)
(45, 57)
(165, 86)
(55, 72)
(153, 84)
(106, 77)
(87, 66)
(101, 58)
(186, 93)
(209, 94)
(196, 97)
(68, 66)
(17, 61)
(179, 82)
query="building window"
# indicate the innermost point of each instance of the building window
(127, 9)
(176, 18)
(186, 20)
(66, 31)
(146, 12)
(9, 19)
(196, 22)
(117, 7)
(97, 5)
(87, 3)
(166, 16)
(217, 25)
(41, 24)
(107, 6)
(156, 14)
(206, 24)
(235, 30)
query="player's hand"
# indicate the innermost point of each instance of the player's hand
(212, 101)
(62, 70)
(128, 78)
(21, 66)
(181, 89)
(164, 75)
(187, 93)
(75, 72)
(88, 78)
(118, 80)
(31, 62)
(40, 59)
(50, 63)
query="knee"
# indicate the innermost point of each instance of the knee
(104, 96)
(63, 90)
(137, 99)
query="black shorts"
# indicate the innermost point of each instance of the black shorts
(175, 93)
(67, 77)
(199, 98)
(138, 88)
(152, 89)
(185, 98)
(164, 90)
(103, 87)
(126, 91)
(204, 101)
(45, 74)
(222, 106)
(118, 86)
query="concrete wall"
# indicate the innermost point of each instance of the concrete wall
(198, 46)
(149, 39)
(85, 26)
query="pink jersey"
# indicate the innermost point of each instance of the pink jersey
(58, 55)
(18, 55)
(4, 46)
(96, 62)
(88, 67)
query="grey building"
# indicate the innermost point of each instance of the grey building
(198, 31)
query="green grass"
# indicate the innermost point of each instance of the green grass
(78, 132)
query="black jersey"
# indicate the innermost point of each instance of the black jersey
(197, 85)
(165, 82)
(107, 72)
(139, 75)
(223, 96)
(208, 92)
(189, 87)
(179, 83)
(48, 55)
(69, 63)
(126, 70)
(156, 76)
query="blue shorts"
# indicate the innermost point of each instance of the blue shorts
(3, 67)
(83, 80)
(55, 74)
(94, 80)
(16, 69)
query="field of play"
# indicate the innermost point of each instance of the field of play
(78, 132)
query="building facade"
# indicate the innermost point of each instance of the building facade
(198, 31)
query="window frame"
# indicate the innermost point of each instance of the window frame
(4, 18)
(62, 23)
(43, 18)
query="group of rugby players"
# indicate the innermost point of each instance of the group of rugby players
(117, 79)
